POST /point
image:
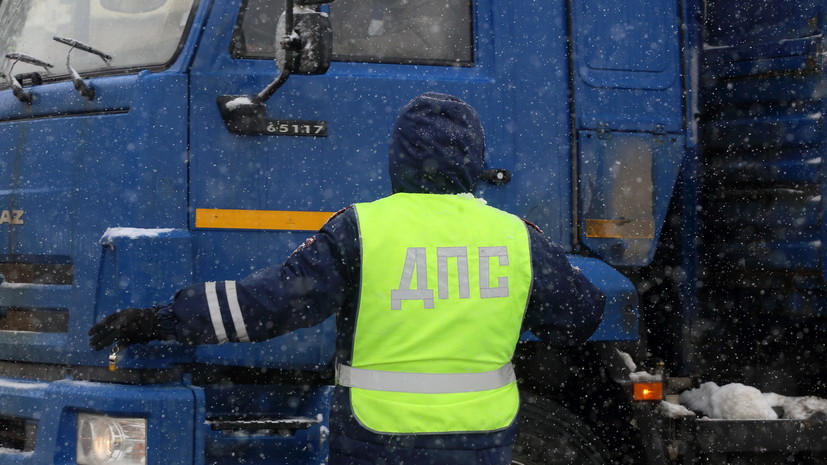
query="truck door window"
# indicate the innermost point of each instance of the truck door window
(142, 37)
(437, 32)
(403, 31)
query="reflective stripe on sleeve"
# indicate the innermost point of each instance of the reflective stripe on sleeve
(215, 312)
(424, 383)
(235, 311)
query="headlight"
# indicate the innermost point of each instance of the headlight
(102, 440)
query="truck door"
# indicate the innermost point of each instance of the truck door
(629, 123)
(254, 198)
(329, 148)
(511, 66)
(292, 178)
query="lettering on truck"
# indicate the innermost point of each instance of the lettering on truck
(11, 217)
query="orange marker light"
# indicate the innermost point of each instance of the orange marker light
(648, 391)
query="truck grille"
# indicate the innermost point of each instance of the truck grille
(30, 272)
(34, 270)
(17, 433)
(40, 320)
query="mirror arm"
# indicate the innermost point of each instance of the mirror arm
(271, 88)
(289, 48)
(244, 115)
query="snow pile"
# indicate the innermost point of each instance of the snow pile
(638, 376)
(736, 401)
(798, 408)
(668, 409)
(732, 402)
(627, 360)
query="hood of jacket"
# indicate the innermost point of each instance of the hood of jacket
(437, 146)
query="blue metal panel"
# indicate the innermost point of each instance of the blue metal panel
(132, 276)
(620, 318)
(627, 65)
(627, 45)
(531, 132)
(621, 311)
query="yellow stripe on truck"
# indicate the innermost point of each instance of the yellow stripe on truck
(260, 219)
(620, 229)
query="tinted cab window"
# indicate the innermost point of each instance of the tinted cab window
(437, 32)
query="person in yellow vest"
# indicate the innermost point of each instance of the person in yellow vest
(431, 289)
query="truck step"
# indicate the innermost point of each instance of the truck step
(244, 439)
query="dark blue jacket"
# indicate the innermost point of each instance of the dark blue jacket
(436, 148)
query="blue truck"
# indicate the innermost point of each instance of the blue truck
(673, 148)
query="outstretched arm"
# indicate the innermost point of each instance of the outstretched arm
(564, 308)
(314, 283)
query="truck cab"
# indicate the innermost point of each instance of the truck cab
(129, 176)
(147, 145)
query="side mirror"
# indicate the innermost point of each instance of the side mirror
(132, 6)
(309, 48)
(304, 45)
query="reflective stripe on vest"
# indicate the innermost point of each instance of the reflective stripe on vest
(445, 282)
(424, 383)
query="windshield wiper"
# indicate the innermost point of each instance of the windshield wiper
(17, 88)
(80, 85)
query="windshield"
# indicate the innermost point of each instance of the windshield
(137, 34)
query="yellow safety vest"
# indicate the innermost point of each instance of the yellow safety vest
(445, 283)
